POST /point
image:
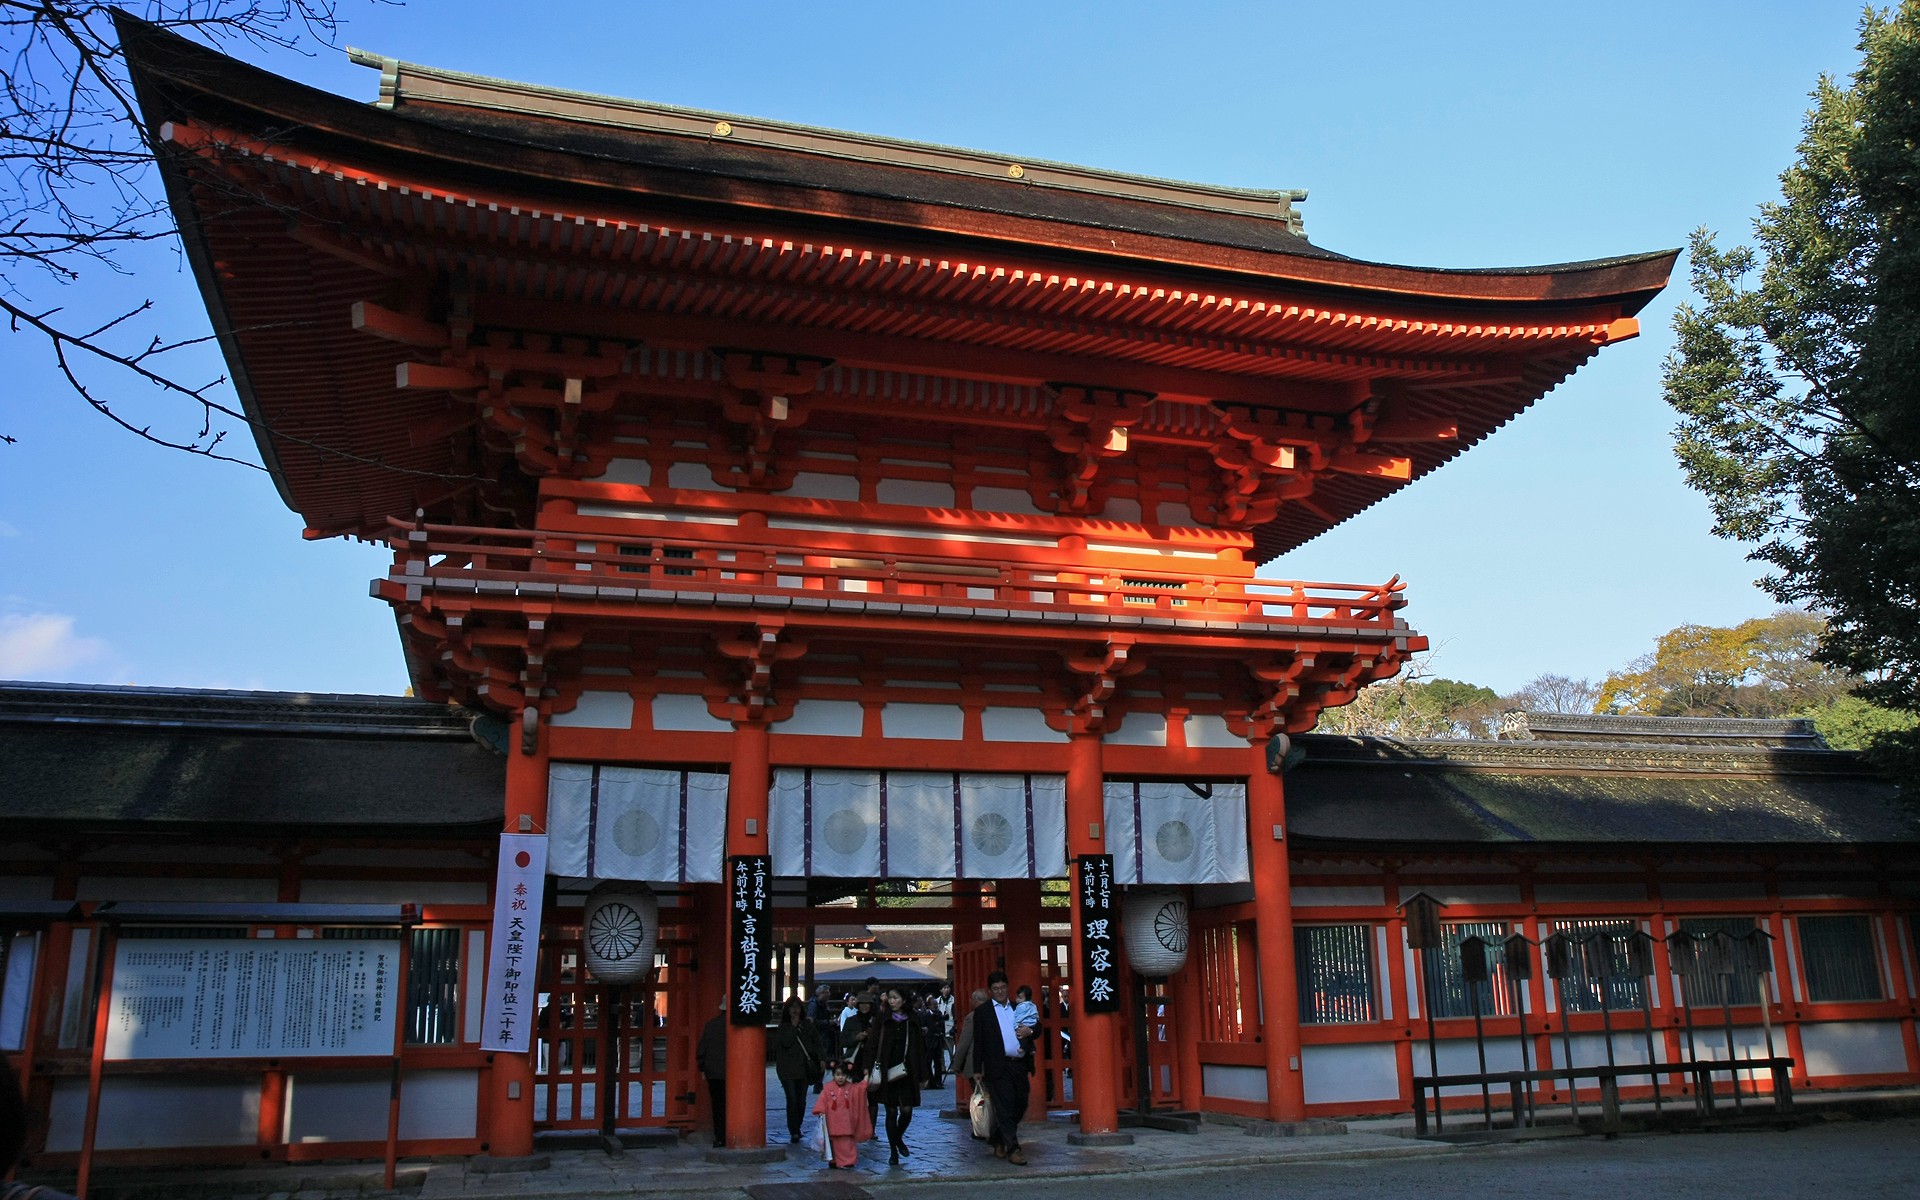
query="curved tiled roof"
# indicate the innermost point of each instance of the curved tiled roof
(296, 204)
(1642, 791)
(177, 758)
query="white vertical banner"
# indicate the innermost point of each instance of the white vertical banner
(514, 948)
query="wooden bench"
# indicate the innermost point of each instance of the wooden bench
(1701, 1070)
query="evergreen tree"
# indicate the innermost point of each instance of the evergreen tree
(1797, 377)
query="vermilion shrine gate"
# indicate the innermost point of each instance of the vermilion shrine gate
(888, 510)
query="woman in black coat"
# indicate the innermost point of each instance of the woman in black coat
(898, 1052)
(796, 1060)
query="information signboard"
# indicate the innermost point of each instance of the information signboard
(252, 998)
(1099, 961)
(751, 878)
(519, 892)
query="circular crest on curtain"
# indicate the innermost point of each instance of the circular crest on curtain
(1153, 925)
(620, 926)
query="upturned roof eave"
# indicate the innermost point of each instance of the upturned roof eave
(178, 79)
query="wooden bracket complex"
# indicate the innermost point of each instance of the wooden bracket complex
(1089, 425)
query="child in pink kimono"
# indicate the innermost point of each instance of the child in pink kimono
(843, 1117)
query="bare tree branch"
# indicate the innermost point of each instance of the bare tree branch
(78, 186)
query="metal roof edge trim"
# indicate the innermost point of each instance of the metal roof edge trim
(470, 90)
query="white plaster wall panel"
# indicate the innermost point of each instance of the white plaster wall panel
(823, 718)
(1338, 897)
(932, 722)
(1459, 1056)
(598, 710)
(473, 1003)
(1581, 893)
(28, 887)
(1384, 985)
(1171, 513)
(147, 1114)
(636, 471)
(16, 989)
(336, 1106)
(1004, 500)
(1852, 1048)
(1140, 729)
(1349, 1074)
(1122, 508)
(678, 713)
(394, 891)
(1230, 1082)
(1451, 893)
(693, 477)
(1629, 1048)
(352, 1106)
(75, 1000)
(919, 824)
(819, 485)
(182, 888)
(1018, 725)
(1206, 731)
(439, 1104)
(918, 493)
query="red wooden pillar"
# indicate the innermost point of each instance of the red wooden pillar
(966, 918)
(707, 992)
(966, 931)
(1094, 1034)
(1273, 936)
(1398, 986)
(1189, 1020)
(747, 785)
(510, 1131)
(1018, 905)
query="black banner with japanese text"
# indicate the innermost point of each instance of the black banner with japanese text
(750, 929)
(1099, 934)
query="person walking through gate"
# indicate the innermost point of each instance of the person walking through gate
(796, 1060)
(1001, 1066)
(895, 1074)
(711, 1057)
(843, 1117)
(859, 1038)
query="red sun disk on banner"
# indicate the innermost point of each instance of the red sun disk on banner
(522, 859)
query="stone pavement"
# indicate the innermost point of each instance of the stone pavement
(943, 1151)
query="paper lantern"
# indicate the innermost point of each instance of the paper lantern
(620, 926)
(1153, 924)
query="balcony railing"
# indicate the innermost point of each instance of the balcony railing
(548, 565)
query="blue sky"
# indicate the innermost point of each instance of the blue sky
(1470, 135)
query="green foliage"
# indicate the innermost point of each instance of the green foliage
(1850, 723)
(1797, 377)
(1411, 707)
(1759, 668)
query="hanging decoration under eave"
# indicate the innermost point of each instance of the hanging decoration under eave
(1171, 831)
(619, 930)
